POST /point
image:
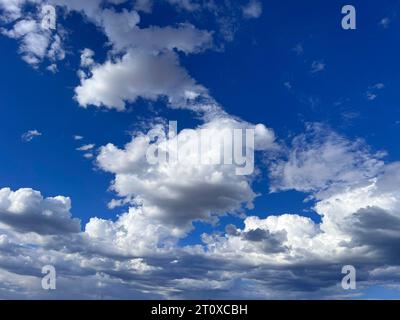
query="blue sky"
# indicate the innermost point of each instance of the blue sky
(289, 66)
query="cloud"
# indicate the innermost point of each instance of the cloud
(385, 22)
(288, 85)
(26, 210)
(122, 30)
(178, 193)
(36, 43)
(321, 160)
(138, 256)
(298, 49)
(30, 135)
(372, 92)
(252, 10)
(87, 58)
(86, 147)
(317, 66)
(139, 74)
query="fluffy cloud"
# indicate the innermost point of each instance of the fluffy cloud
(179, 192)
(138, 255)
(138, 74)
(26, 210)
(36, 43)
(122, 31)
(279, 256)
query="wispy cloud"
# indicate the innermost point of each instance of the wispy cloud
(385, 22)
(252, 10)
(86, 147)
(317, 66)
(30, 135)
(298, 49)
(372, 92)
(288, 85)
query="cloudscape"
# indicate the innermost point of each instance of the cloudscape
(199, 149)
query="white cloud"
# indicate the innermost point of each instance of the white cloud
(321, 161)
(317, 66)
(385, 22)
(138, 74)
(86, 147)
(122, 30)
(144, 5)
(279, 256)
(87, 58)
(253, 9)
(27, 211)
(298, 49)
(36, 43)
(30, 135)
(372, 92)
(179, 193)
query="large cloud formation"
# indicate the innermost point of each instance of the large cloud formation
(139, 256)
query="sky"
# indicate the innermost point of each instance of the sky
(78, 103)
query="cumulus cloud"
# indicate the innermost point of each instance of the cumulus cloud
(36, 43)
(122, 30)
(277, 256)
(135, 51)
(26, 210)
(188, 190)
(139, 74)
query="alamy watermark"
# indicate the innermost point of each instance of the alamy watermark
(349, 281)
(207, 146)
(349, 21)
(49, 279)
(49, 17)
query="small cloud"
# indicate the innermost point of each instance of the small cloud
(372, 93)
(252, 10)
(378, 86)
(78, 137)
(317, 66)
(371, 96)
(288, 85)
(298, 49)
(86, 147)
(29, 135)
(87, 58)
(52, 68)
(350, 115)
(385, 22)
(313, 101)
